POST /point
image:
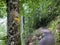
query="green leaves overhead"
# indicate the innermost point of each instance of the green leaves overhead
(29, 7)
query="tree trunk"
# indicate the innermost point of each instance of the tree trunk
(13, 23)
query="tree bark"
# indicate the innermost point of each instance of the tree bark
(13, 23)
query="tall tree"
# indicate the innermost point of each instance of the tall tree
(13, 23)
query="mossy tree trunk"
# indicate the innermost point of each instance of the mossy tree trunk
(13, 23)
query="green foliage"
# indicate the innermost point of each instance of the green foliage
(36, 13)
(53, 27)
(39, 13)
(3, 33)
(2, 42)
(2, 9)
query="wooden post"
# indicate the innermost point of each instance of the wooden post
(13, 23)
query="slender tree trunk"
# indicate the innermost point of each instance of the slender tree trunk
(13, 23)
